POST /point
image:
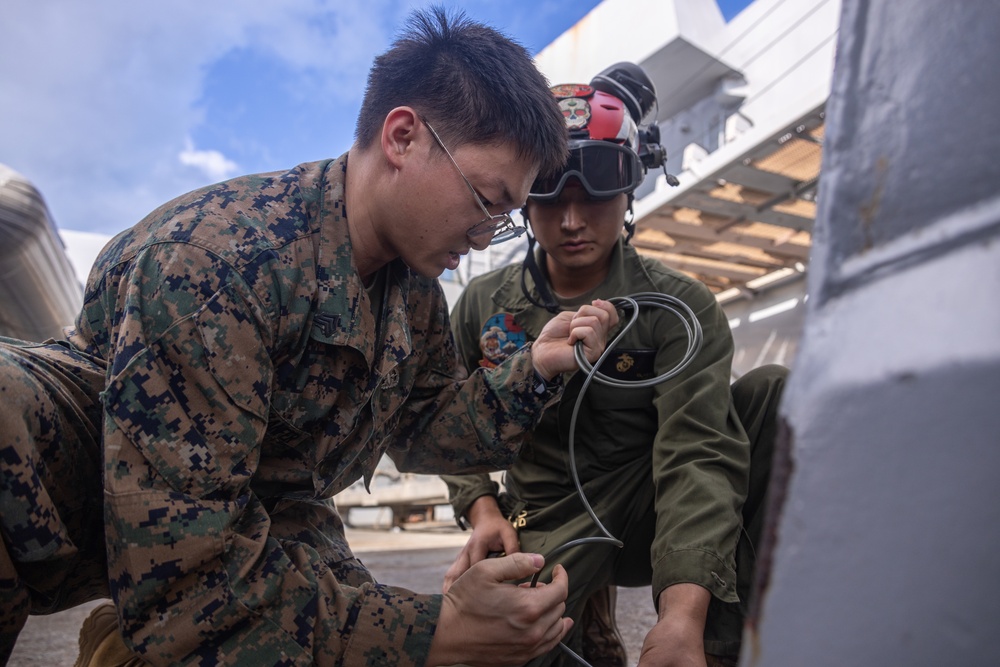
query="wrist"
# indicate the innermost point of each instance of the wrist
(684, 602)
(482, 508)
(546, 386)
(442, 650)
(538, 363)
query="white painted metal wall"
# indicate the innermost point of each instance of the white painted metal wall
(781, 50)
(778, 53)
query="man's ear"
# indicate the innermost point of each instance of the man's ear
(399, 134)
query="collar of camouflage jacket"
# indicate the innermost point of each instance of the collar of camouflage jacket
(343, 314)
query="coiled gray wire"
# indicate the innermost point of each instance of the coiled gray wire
(626, 304)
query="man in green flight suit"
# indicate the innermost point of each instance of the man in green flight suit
(678, 471)
(250, 349)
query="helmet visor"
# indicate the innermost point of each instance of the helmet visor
(604, 169)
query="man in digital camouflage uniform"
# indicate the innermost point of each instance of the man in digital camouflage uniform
(253, 347)
(677, 472)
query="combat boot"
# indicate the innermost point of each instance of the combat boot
(602, 643)
(101, 642)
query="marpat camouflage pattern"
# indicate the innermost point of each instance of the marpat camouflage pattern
(228, 375)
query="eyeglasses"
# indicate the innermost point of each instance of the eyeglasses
(500, 227)
(603, 168)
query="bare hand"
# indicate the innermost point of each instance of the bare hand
(677, 639)
(485, 621)
(491, 533)
(552, 352)
(672, 645)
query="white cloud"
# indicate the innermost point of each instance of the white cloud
(105, 95)
(100, 98)
(215, 165)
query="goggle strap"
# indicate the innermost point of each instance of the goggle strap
(630, 220)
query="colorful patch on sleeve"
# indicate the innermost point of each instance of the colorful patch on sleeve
(501, 337)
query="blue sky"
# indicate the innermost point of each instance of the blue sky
(113, 107)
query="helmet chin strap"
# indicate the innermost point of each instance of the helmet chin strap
(530, 265)
(630, 220)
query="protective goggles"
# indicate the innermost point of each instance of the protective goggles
(604, 169)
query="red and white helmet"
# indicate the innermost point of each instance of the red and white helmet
(605, 142)
(594, 114)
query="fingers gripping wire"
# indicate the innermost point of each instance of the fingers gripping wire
(628, 305)
(632, 303)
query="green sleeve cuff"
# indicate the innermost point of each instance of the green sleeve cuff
(695, 566)
(463, 490)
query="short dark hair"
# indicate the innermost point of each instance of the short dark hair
(473, 84)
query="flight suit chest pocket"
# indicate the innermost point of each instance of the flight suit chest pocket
(630, 365)
(618, 424)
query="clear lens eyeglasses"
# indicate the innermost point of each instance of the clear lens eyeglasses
(500, 227)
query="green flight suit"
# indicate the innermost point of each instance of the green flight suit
(226, 377)
(666, 469)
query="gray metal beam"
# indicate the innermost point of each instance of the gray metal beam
(882, 537)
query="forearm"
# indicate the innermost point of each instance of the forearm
(484, 508)
(701, 460)
(686, 603)
(473, 426)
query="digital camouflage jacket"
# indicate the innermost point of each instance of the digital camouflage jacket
(682, 436)
(248, 381)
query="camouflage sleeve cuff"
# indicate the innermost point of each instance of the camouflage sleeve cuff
(525, 388)
(392, 626)
(695, 566)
